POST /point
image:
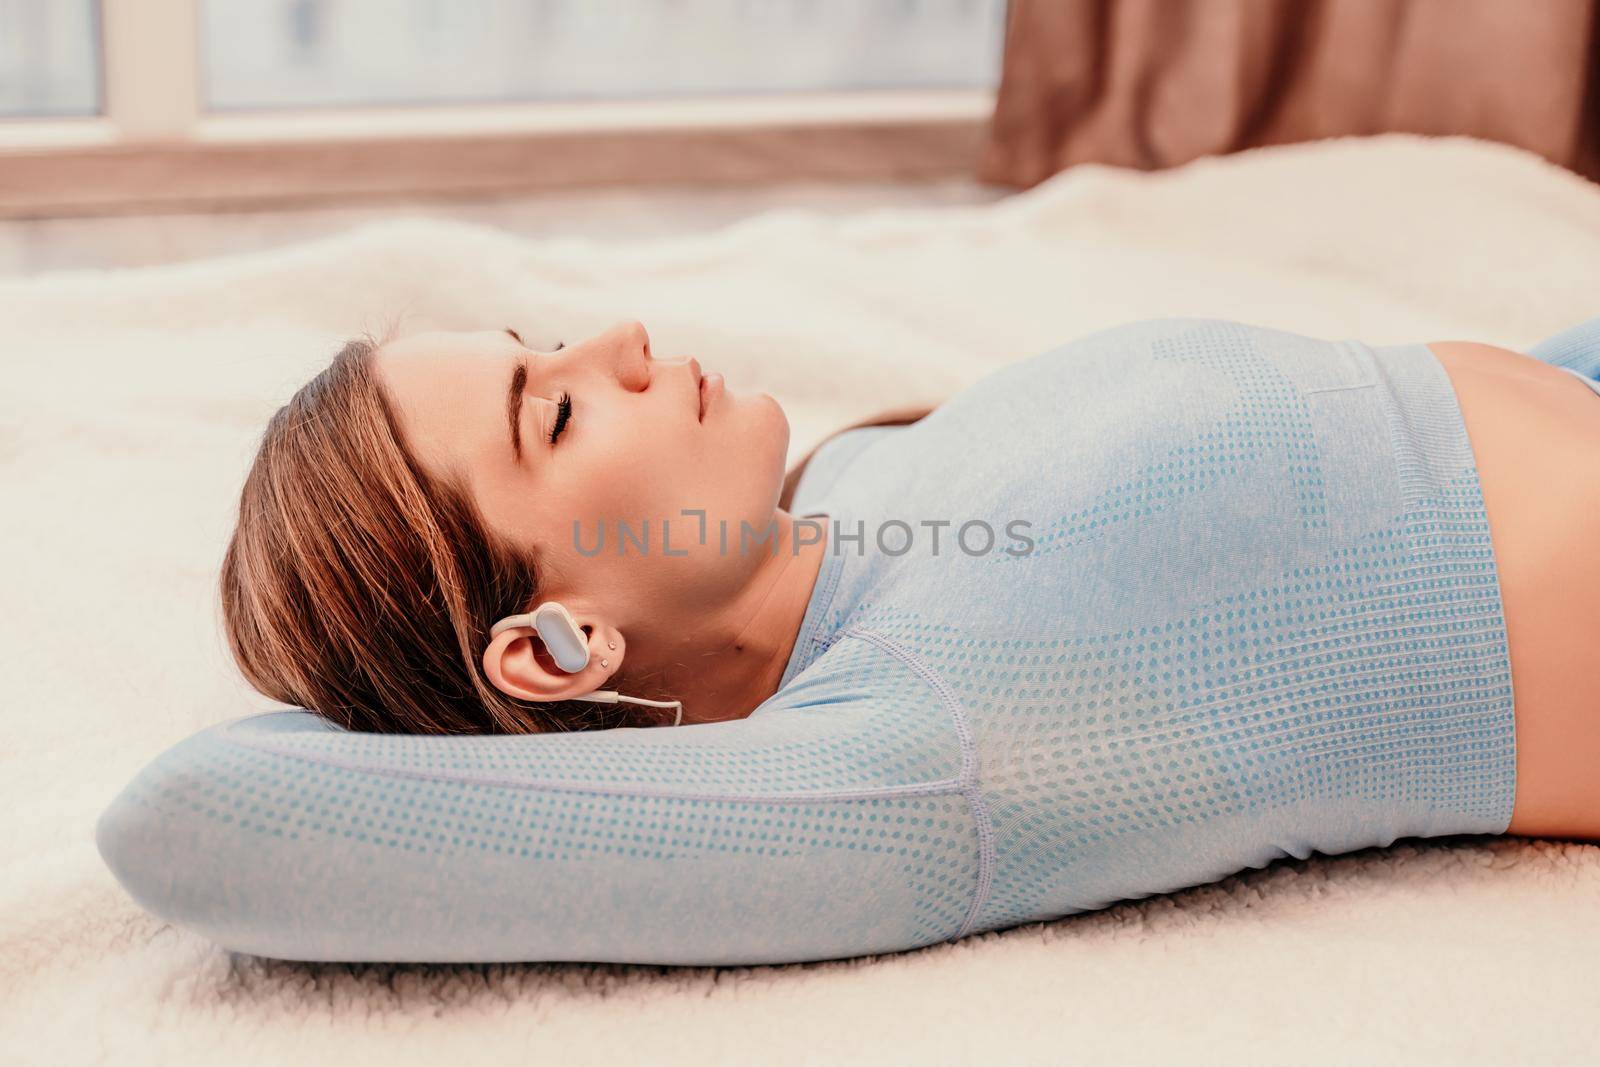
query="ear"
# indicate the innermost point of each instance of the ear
(519, 665)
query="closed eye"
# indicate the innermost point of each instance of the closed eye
(519, 378)
(563, 414)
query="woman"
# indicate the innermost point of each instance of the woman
(1198, 563)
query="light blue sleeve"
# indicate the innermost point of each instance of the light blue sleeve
(832, 822)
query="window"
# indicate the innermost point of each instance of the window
(140, 104)
(49, 58)
(300, 53)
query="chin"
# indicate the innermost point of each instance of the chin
(762, 441)
(779, 418)
(776, 439)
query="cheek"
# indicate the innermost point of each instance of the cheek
(733, 467)
(656, 470)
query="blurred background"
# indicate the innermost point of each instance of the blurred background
(135, 132)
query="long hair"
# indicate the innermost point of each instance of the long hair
(359, 587)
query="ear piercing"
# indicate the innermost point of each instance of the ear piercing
(611, 645)
(605, 663)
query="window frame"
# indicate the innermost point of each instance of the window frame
(152, 146)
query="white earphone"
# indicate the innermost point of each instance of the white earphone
(561, 635)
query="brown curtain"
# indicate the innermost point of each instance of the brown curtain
(1154, 83)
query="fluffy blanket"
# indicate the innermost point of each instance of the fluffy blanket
(130, 406)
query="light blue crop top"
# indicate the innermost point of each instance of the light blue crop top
(1258, 615)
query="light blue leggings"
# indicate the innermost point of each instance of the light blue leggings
(1575, 349)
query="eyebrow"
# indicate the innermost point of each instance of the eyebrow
(519, 380)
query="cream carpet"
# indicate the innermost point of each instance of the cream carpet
(129, 406)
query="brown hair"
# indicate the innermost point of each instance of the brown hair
(361, 588)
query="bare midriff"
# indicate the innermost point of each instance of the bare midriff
(1535, 434)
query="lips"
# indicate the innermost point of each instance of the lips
(710, 389)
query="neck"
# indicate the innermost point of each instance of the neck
(735, 664)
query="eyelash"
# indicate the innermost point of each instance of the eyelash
(563, 413)
(564, 405)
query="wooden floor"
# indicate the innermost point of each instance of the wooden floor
(34, 246)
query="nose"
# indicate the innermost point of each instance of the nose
(627, 354)
(635, 336)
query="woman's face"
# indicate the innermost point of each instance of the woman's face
(633, 448)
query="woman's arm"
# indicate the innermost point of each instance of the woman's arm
(686, 850)
(892, 417)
